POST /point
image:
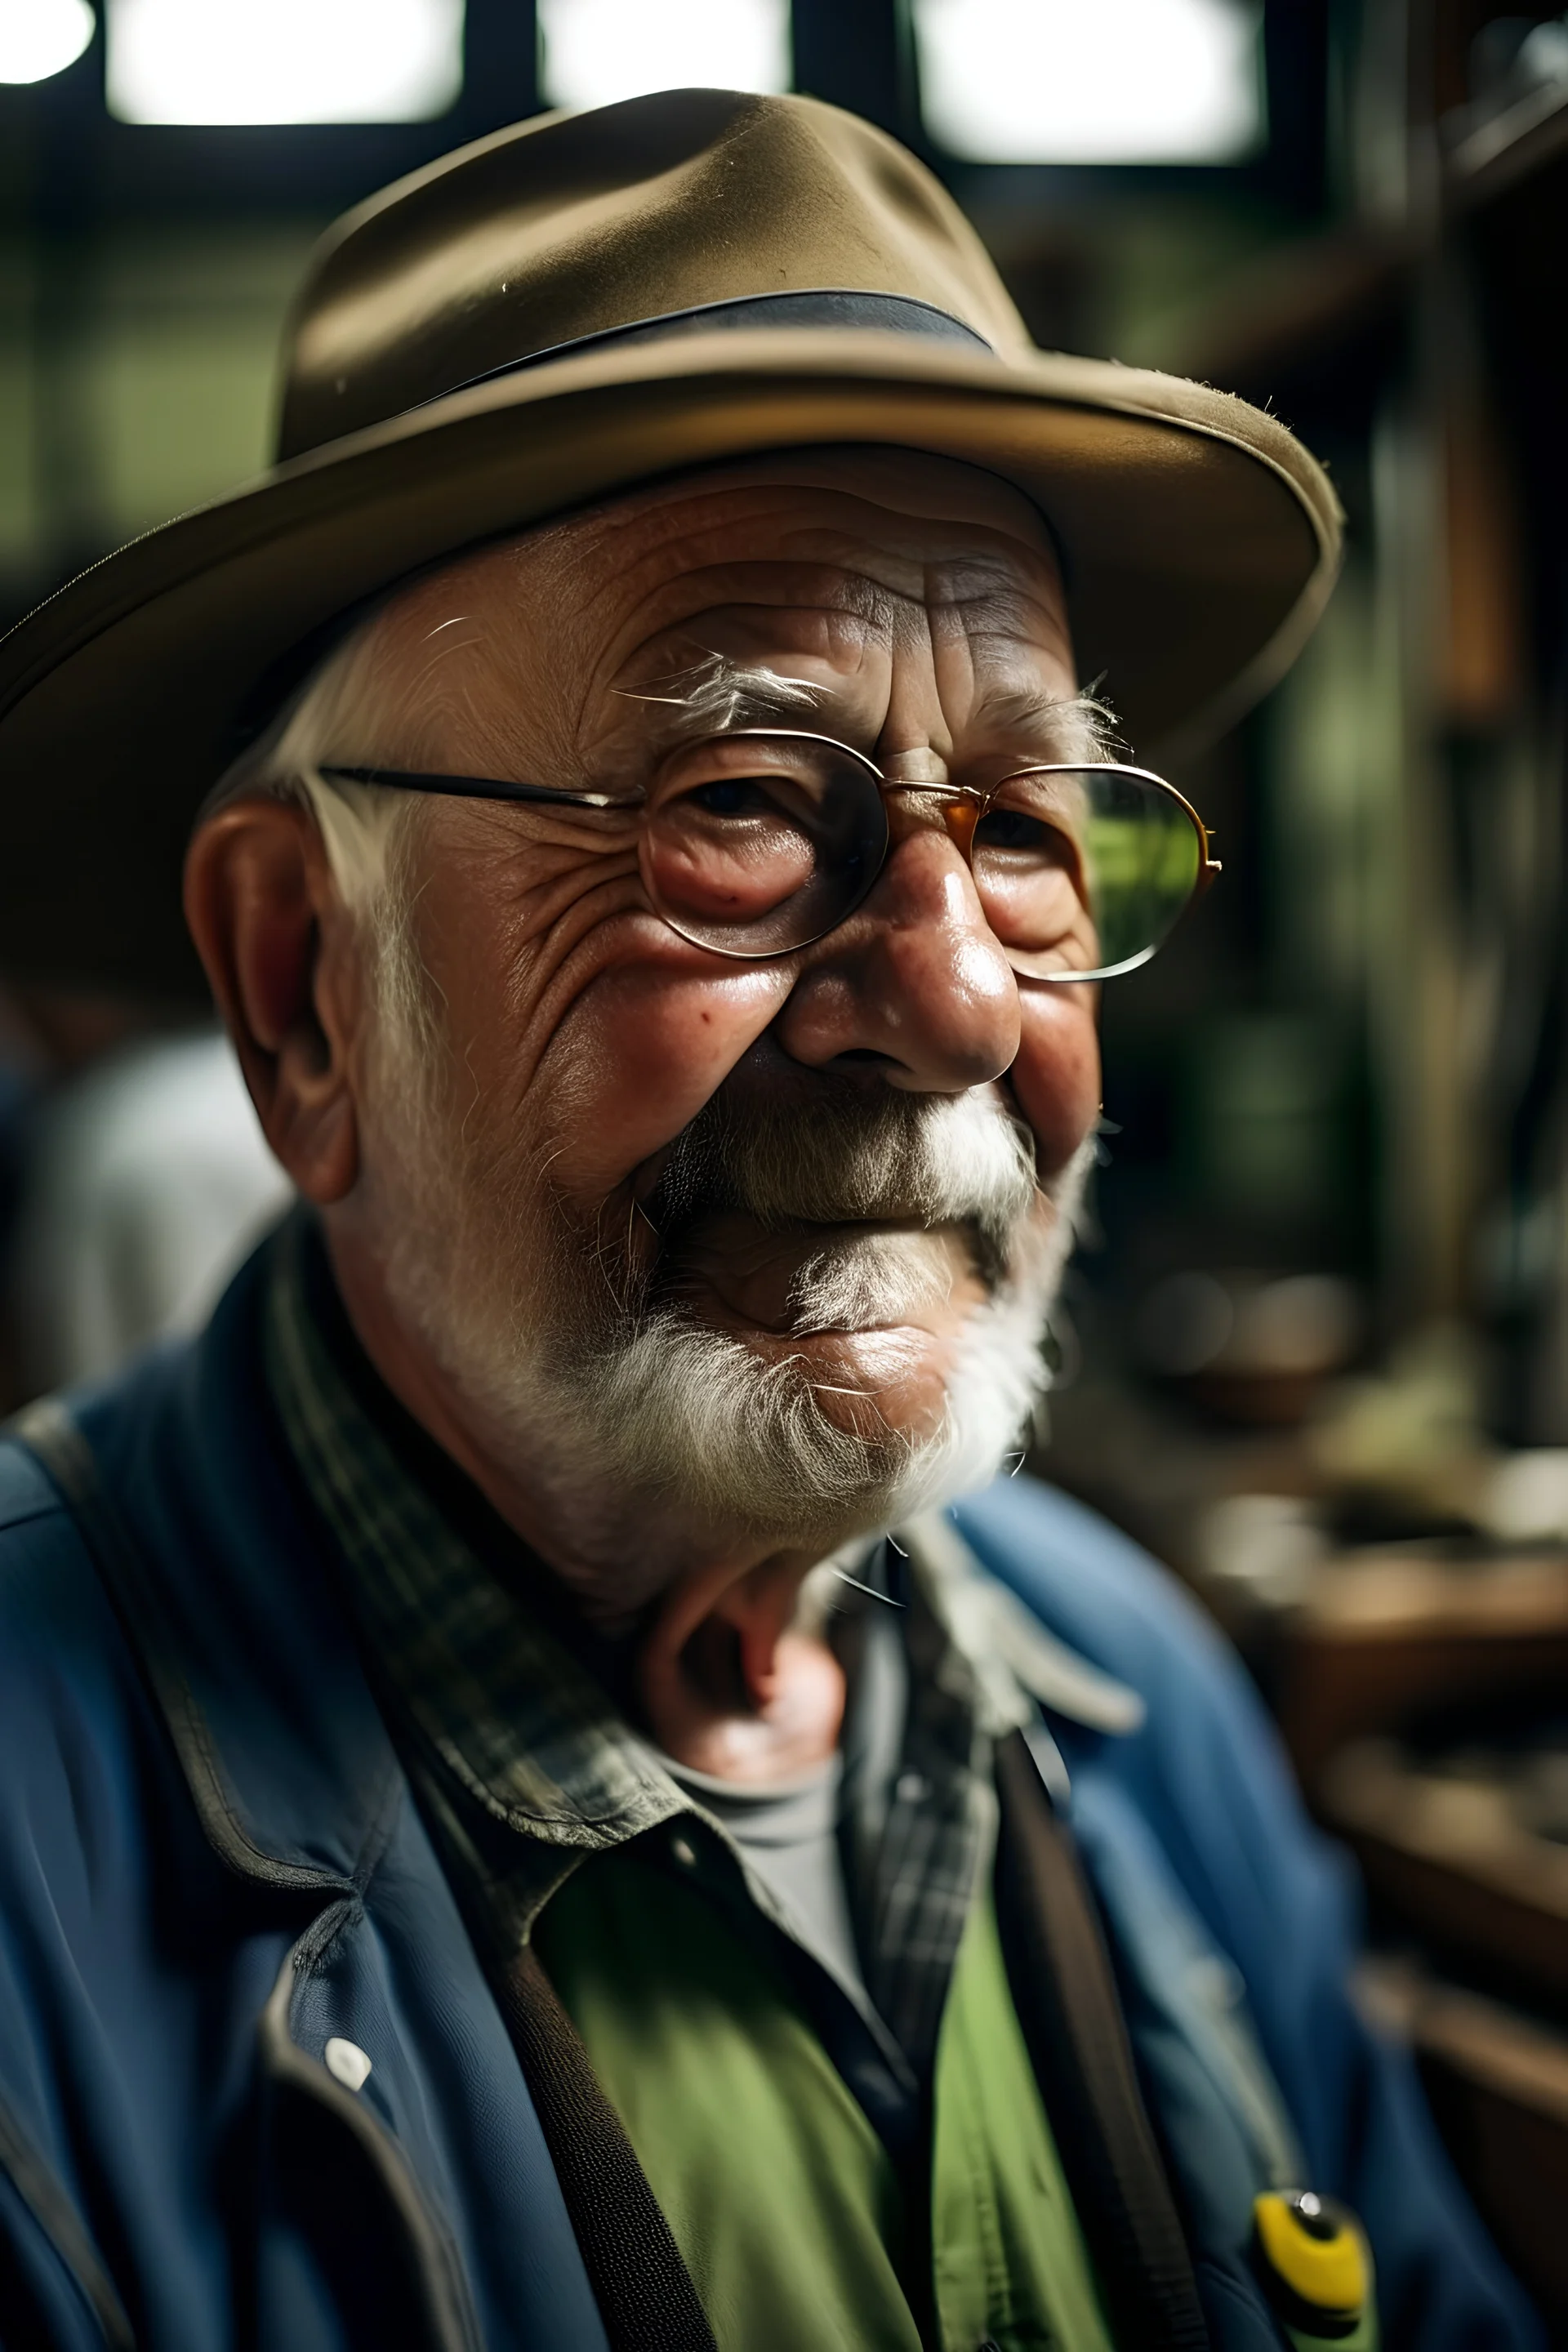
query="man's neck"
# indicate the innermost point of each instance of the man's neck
(718, 1674)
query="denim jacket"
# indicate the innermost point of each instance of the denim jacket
(211, 1865)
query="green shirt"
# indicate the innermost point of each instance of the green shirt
(785, 2205)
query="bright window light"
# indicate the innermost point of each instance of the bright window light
(283, 60)
(592, 52)
(1091, 82)
(40, 38)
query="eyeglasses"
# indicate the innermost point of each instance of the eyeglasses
(757, 842)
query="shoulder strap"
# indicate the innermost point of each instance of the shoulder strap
(644, 2289)
(1066, 1998)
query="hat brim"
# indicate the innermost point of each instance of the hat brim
(1201, 543)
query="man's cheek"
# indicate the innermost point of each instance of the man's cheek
(1057, 1077)
(638, 1057)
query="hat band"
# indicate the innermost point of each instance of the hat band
(897, 314)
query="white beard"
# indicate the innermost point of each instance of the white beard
(657, 1438)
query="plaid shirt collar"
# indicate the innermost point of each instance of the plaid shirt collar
(528, 1764)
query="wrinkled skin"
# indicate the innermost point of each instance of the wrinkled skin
(923, 599)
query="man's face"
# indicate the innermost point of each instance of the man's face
(778, 1153)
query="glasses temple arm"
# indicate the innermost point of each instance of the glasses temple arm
(472, 788)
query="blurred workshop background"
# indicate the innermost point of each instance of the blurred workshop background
(1315, 1352)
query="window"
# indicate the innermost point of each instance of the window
(592, 52)
(40, 38)
(283, 60)
(1091, 82)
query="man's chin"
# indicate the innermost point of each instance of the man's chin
(880, 1381)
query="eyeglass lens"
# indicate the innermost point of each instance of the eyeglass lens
(757, 845)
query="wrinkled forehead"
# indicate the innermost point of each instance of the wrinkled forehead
(857, 531)
(579, 641)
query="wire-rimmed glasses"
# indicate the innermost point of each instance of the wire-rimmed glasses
(759, 841)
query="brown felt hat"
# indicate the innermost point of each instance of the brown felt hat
(569, 307)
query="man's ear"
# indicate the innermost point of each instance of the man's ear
(278, 945)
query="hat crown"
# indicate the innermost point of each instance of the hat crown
(572, 226)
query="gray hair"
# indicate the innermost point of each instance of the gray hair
(352, 704)
(346, 706)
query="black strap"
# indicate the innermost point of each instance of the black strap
(819, 306)
(1067, 2003)
(644, 2289)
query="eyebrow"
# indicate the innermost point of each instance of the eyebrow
(1065, 719)
(714, 696)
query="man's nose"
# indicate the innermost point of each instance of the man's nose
(915, 979)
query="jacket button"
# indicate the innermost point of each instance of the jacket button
(685, 1853)
(347, 2062)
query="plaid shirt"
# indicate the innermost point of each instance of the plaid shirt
(528, 1765)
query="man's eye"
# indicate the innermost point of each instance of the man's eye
(1010, 829)
(735, 796)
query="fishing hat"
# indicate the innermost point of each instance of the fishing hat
(567, 309)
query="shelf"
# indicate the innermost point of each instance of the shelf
(1449, 1854)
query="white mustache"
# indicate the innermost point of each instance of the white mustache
(856, 1156)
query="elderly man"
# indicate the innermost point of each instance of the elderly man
(529, 1818)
